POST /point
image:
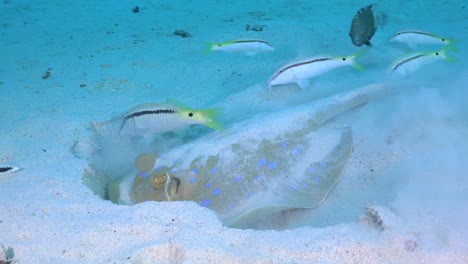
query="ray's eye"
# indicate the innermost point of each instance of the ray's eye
(190, 114)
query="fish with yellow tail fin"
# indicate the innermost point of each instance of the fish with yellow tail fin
(247, 46)
(413, 61)
(154, 118)
(300, 71)
(414, 37)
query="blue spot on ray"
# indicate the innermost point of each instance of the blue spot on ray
(213, 170)
(208, 185)
(195, 171)
(323, 163)
(216, 191)
(273, 165)
(284, 144)
(205, 203)
(159, 167)
(258, 178)
(239, 178)
(262, 162)
(143, 174)
(297, 150)
(317, 178)
(192, 180)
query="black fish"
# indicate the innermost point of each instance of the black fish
(363, 27)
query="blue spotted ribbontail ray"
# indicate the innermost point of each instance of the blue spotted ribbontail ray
(270, 163)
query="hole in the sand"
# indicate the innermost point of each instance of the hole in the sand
(112, 156)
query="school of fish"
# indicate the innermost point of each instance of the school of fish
(153, 118)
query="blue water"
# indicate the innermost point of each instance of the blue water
(66, 64)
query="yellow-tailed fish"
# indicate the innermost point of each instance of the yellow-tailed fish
(248, 46)
(300, 71)
(153, 118)
(412, 62)
(413, 37)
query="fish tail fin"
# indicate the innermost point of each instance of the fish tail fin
(450, 47)
(360, 52)
(356, 65)
(209, 48)
(381, 18)
(211, 118)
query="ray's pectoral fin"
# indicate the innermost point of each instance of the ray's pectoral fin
(305, 188)
(320, 177)
(324, 175)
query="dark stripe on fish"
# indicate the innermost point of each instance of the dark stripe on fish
(407, 60)
(5, 169)
(415, 32)
(151, 112)
(249, 41)
(299, 64)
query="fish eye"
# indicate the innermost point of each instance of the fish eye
(344, 59)
(443, 39)
(190, 114)
(437, 53)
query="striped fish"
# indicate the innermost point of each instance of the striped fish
(412, 37)
(153, 118)
(4, 169)
(299, 72)
(248, 46)
(414, 61)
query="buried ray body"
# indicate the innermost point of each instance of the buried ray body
(250, 170)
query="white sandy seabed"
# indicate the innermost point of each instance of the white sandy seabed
(402, 200)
